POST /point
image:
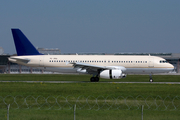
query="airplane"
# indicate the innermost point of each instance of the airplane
(100, 66)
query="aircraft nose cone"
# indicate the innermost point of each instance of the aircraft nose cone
(172, 67)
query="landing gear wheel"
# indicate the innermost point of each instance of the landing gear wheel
(150, 80)
(94, 79)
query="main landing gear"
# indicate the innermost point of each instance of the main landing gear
(94, 79)
(150, 78)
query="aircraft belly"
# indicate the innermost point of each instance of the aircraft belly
(147, 70)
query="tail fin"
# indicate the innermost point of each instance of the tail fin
(23, 45)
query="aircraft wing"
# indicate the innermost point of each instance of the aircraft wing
(89, 67)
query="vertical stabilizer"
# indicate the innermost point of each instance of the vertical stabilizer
(23, 45)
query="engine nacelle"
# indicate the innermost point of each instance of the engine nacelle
(81, 70)
(111, 74)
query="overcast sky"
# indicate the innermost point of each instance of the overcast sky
(91, 26)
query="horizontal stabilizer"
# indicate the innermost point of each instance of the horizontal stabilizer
(22, 60)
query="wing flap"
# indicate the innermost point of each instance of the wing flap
(87, 66)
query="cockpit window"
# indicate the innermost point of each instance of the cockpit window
(163, 61)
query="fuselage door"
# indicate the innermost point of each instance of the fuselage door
(151, 62)
(41, 61)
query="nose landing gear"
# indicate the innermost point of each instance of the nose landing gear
(150, 78)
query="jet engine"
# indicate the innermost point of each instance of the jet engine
(80, 70)
(111, 74)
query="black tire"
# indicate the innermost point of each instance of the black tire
(92, 79)
(97, 79)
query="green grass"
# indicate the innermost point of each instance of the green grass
(59, 77)
(86, 89)
(89, 89)
(20, 114)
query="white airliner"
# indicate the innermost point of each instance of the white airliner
(103, 66)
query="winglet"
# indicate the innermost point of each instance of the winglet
(23, 45)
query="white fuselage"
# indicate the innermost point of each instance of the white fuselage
(62, 63)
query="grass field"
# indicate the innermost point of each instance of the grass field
(88, 89)
(59, 77)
